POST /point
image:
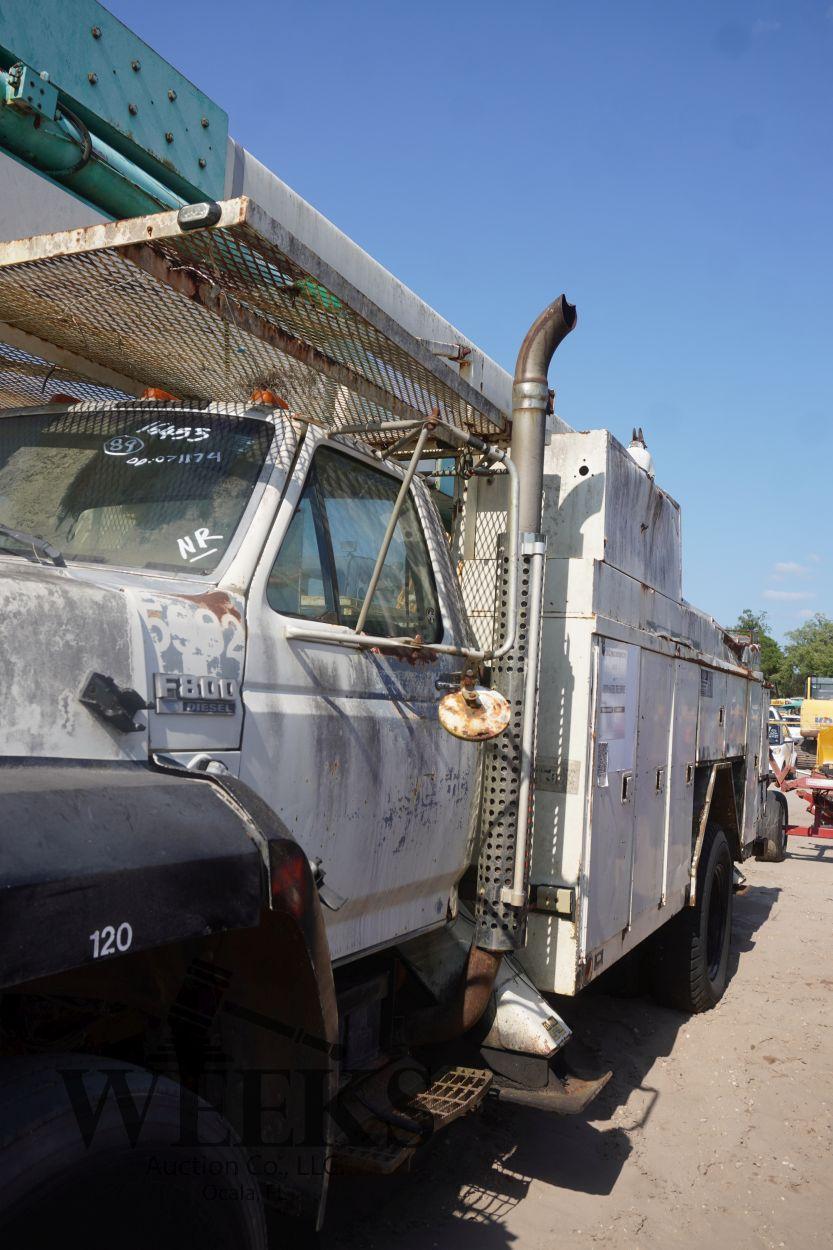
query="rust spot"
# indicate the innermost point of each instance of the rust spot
(217, 602)
(413, 655)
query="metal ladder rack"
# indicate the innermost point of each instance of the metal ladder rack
(213, 301)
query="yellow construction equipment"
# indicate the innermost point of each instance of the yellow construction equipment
(824, 747)
(817, 708)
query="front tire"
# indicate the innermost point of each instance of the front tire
(690, 956)
(104, 1167)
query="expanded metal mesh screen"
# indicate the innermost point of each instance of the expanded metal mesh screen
(215, 313)
(483, 526)
(28, 379)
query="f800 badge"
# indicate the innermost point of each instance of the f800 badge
(213, 696)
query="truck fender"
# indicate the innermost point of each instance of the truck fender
(185, 895)
(104, 860)
(274, 1009)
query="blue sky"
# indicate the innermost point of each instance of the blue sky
(668, 165)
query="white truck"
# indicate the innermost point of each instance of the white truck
(351, 706)
(249, 880)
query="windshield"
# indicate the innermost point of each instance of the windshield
(137, 489)
(821, 687)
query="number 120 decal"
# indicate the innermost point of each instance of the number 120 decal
(108, 940)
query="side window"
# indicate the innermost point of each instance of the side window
(299, 583)
(325, 562)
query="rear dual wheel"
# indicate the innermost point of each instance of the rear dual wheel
(690, 954)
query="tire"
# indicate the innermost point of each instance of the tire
(690, 955)
(773, 839)
(55, 1189)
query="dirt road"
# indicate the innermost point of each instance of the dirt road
(714, 1131)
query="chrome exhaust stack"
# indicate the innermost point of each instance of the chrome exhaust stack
(502, 903)
(530, 399)
(506, 818)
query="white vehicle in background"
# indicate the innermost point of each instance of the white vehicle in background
(784, 741)
(790, 721)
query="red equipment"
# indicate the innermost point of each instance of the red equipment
(817, 792)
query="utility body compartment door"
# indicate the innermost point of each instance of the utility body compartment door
(711, 724)
(611, 817)
(345, 744)
(681, 778)
(656, 691)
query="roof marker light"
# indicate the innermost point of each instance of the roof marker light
(264, 398)
(157, 394)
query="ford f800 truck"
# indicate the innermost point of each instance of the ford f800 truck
(351, 707)
(309, 803)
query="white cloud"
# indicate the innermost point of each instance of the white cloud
(806, 612)
(814, 557)
(788, 596)
(789, 568)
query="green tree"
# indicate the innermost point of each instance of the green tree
(772, 657)
(808, 653)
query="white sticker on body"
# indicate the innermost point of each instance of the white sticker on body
(111, 939)
(614, 684)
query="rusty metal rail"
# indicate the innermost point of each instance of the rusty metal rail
(212, 312)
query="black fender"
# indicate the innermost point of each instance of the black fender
(210, 882)
(155, 856)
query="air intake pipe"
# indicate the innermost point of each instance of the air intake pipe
(503, 868)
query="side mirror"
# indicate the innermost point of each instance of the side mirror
(473, 712)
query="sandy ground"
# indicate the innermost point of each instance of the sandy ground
(714, 1131)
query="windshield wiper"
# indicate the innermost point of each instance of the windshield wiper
(39, 545)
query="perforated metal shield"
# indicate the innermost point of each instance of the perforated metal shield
(499, 926)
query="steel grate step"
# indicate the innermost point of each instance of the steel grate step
(454, 1093)
(393, 1141)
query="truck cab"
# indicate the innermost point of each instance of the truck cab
(187, 539)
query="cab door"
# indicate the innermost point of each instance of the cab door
(343, 743)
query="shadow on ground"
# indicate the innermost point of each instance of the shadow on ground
(471, 1177)
(805, 848)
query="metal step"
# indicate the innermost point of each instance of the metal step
(453, 1094)
(393, 1135)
